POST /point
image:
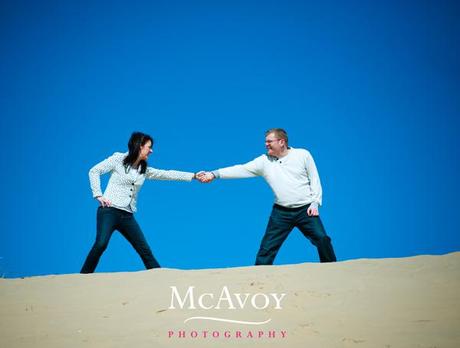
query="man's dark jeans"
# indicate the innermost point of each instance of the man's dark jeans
(282, 221)
(108, 220)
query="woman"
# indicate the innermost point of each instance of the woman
(118, 203)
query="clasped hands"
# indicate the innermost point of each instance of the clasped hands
(204, 177)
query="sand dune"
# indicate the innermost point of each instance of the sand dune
(406, 302)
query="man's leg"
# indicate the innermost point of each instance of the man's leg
(312, 228)
(278, 228)
(105, 225)
(130, 229)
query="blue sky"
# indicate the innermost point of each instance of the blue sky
(371, 89)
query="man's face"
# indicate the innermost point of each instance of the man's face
(146, 150)
(274, 145)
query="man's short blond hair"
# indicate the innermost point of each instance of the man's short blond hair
(280, 133)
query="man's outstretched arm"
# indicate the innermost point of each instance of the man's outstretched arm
(240, 171)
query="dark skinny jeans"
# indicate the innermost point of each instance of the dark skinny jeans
(108, 220)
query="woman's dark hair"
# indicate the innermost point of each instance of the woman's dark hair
(134, 146)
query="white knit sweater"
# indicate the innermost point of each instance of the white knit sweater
(293, 178)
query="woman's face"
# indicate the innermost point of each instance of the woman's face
(146, 150)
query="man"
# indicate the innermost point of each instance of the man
(293, 177)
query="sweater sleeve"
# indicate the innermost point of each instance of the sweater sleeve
(101, 168)
(313, 175)
(247, 170)
(159, 174)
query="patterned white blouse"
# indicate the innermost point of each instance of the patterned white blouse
(125, 183)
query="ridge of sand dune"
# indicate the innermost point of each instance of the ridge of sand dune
(403, 302)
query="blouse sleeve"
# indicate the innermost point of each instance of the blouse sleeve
(101, 168)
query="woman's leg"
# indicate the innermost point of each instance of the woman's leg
(130, 229)
(106, 222)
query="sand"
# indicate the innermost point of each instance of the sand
(404, 302)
